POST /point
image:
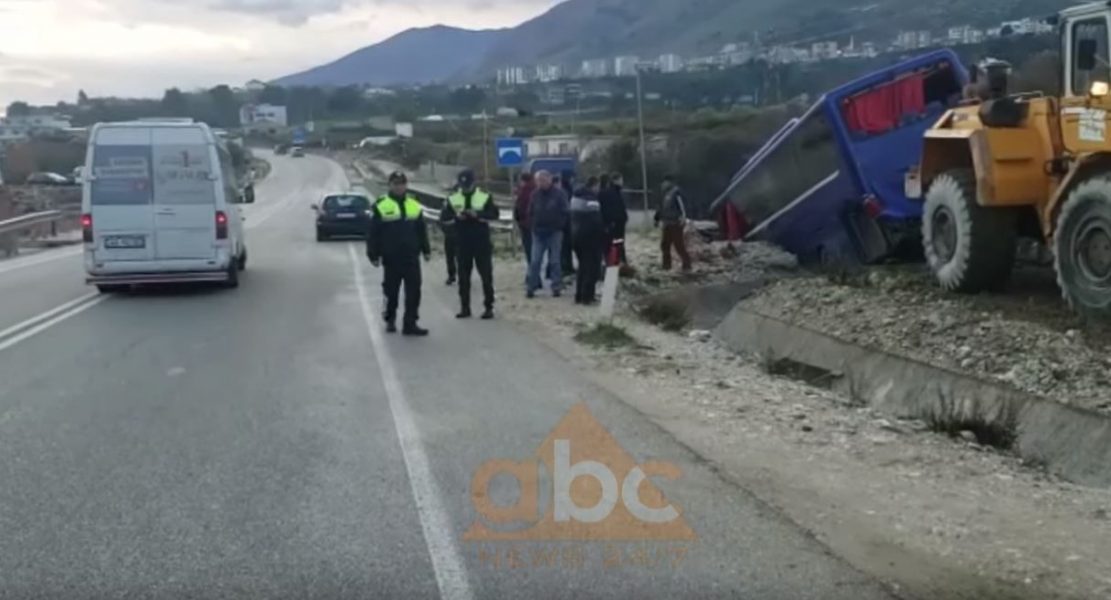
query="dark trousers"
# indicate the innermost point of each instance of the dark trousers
(588, 249)
(476, 257)
(616, 232)
(396, 272)
(673, 238)
(567, 252)
(451, 253)
(526, 242)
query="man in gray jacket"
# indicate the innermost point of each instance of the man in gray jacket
(673, 216)
(550, 214)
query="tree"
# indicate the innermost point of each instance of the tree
(273, 94)
(19, 109)
(82, 98)
(345, 100)
(225, 109)
(174, 103)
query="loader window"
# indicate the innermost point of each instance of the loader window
(1093, 32)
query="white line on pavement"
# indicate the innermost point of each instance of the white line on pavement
(36, 325)
(447, 562)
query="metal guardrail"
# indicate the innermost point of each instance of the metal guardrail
(23, 221)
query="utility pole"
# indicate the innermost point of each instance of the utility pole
(643, 145)
(485, 149)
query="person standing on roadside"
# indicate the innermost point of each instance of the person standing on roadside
(525, 189)
(615, 215)
(451, 244)
(397, 238)
(473, 209)
(588, 237)
(673, 216)
(567, 260)
(549, 213)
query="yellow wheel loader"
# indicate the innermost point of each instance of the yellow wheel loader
(1005, 166)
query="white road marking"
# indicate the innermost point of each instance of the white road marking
(45, 315)
(447, 562)
(36, 325)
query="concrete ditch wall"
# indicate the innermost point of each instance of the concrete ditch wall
(1072, 443)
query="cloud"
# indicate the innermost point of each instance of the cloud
(287, 12)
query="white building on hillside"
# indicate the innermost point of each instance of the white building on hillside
(625, 66)
(263, 115)
(512, 76)
(671, 63)
(597, 67)
(548, 73)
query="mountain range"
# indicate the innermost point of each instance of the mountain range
(576, 30)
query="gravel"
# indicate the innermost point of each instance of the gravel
(1027, 340)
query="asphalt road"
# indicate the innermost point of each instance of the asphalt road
(272, 441)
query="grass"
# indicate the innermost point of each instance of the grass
(605, 335)
(666, 313)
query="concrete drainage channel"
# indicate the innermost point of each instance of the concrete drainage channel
(1072, 443)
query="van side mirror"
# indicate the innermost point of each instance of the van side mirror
(314, 207)
(1086, 55)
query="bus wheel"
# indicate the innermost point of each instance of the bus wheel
(970, 248)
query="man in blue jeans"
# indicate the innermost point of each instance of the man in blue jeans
(550, 212)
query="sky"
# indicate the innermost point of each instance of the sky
(50, 49)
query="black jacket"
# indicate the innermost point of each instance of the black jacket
(472, 230)
(586, 215)
(404, 239)
(614, 212)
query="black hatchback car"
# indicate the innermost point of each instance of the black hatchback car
(342, 215)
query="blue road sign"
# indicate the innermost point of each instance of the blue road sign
(511, 152)
(299, 136)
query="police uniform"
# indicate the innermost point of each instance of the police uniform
(476, 252)
(398, 237)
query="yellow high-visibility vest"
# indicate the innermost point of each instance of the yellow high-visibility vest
(391, 210)
(478, 201)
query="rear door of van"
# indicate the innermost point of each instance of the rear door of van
(121, 196)
(185, 193)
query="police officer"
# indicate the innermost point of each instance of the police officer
(451, 245)
(473, 209)
(398, 237)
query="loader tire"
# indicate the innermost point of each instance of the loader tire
(1082, 249)
(969, 248)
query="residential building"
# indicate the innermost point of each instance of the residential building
(262, 115)
(958, 34)
(823, 50)
(548, 73)
(625, 66)
(739, 57)
(512, 76)
(671, 63)
(582, 147)
(925, 39)
(371, 93)
(596, 67)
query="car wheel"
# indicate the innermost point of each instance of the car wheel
(233, 275)
(112, 289)
(241, 263)
(321, 236)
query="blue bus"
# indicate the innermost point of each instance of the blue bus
(829, 186)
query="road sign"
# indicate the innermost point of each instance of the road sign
(511, 152)
(299, 136)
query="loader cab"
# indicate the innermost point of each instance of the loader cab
(1086, 101)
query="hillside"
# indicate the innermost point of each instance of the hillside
(581, 29)
(415, 56)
